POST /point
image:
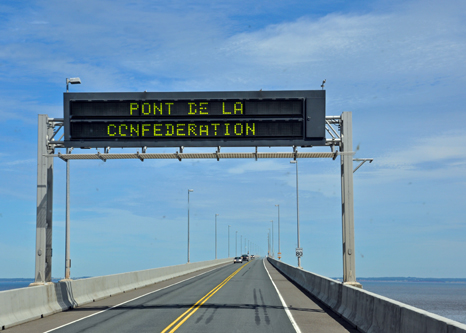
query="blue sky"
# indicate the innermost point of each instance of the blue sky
(398, 66)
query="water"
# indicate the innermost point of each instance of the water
(7, 284)
(446, 299)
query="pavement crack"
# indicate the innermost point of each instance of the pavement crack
(198, 320)
(264, 308)
(208, 320)
(257, 318)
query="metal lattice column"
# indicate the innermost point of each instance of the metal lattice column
(347, 205)
(43, 255)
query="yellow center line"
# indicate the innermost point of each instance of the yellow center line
(181, 319)
(221, 284)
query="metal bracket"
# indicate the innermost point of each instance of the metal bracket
(144, 149)
(295, 152)
(217, 152)
(362, 160)
(255, 154)
(55, 132)
(346, 153)
(178, 156)
(106, 150)
(139, 156)
(60, 155)
(99, 155)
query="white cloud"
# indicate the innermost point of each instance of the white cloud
(449, 149)
(405, 48)
(17, 162)
(27, 109)
(259, 166)
(437, 157)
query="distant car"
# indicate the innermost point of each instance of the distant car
(245, 257)
(252, 257)
(238, 259)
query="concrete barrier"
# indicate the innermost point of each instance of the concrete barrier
(25, 304)
(366, 311)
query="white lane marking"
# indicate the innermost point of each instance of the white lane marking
(56, 328)
(287, 311)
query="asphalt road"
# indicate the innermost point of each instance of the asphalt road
(227, 298)
(233, 298)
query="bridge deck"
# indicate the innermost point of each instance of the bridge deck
(233, 298)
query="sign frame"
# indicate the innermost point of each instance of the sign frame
(312, 118)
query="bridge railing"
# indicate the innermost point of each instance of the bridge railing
(24, 304)
(367, 311)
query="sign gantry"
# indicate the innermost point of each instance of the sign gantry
(192, 119)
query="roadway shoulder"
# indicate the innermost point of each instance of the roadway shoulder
(309, 314)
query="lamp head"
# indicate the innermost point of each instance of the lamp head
(73, 80)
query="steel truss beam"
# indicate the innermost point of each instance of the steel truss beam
(182, 156)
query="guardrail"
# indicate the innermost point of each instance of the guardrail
(367, 311)
(25, 304)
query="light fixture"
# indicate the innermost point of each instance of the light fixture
(73, 80)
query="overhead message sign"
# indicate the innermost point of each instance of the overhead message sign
(199, 119)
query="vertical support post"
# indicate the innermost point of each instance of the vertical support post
(188, 227)
(216, 236)
(347, 205)
(43, 254)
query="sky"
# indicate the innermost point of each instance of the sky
(398, 66)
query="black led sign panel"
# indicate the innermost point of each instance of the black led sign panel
(199, 119)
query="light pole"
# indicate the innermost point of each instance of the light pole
(297, 209)
(236, 244)
(67, 230)
(229, 241)
(279, 252)
(74, 80)
(241, 244)
(216, 236)
(268, 243)
(273, 253)
(188, 221)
